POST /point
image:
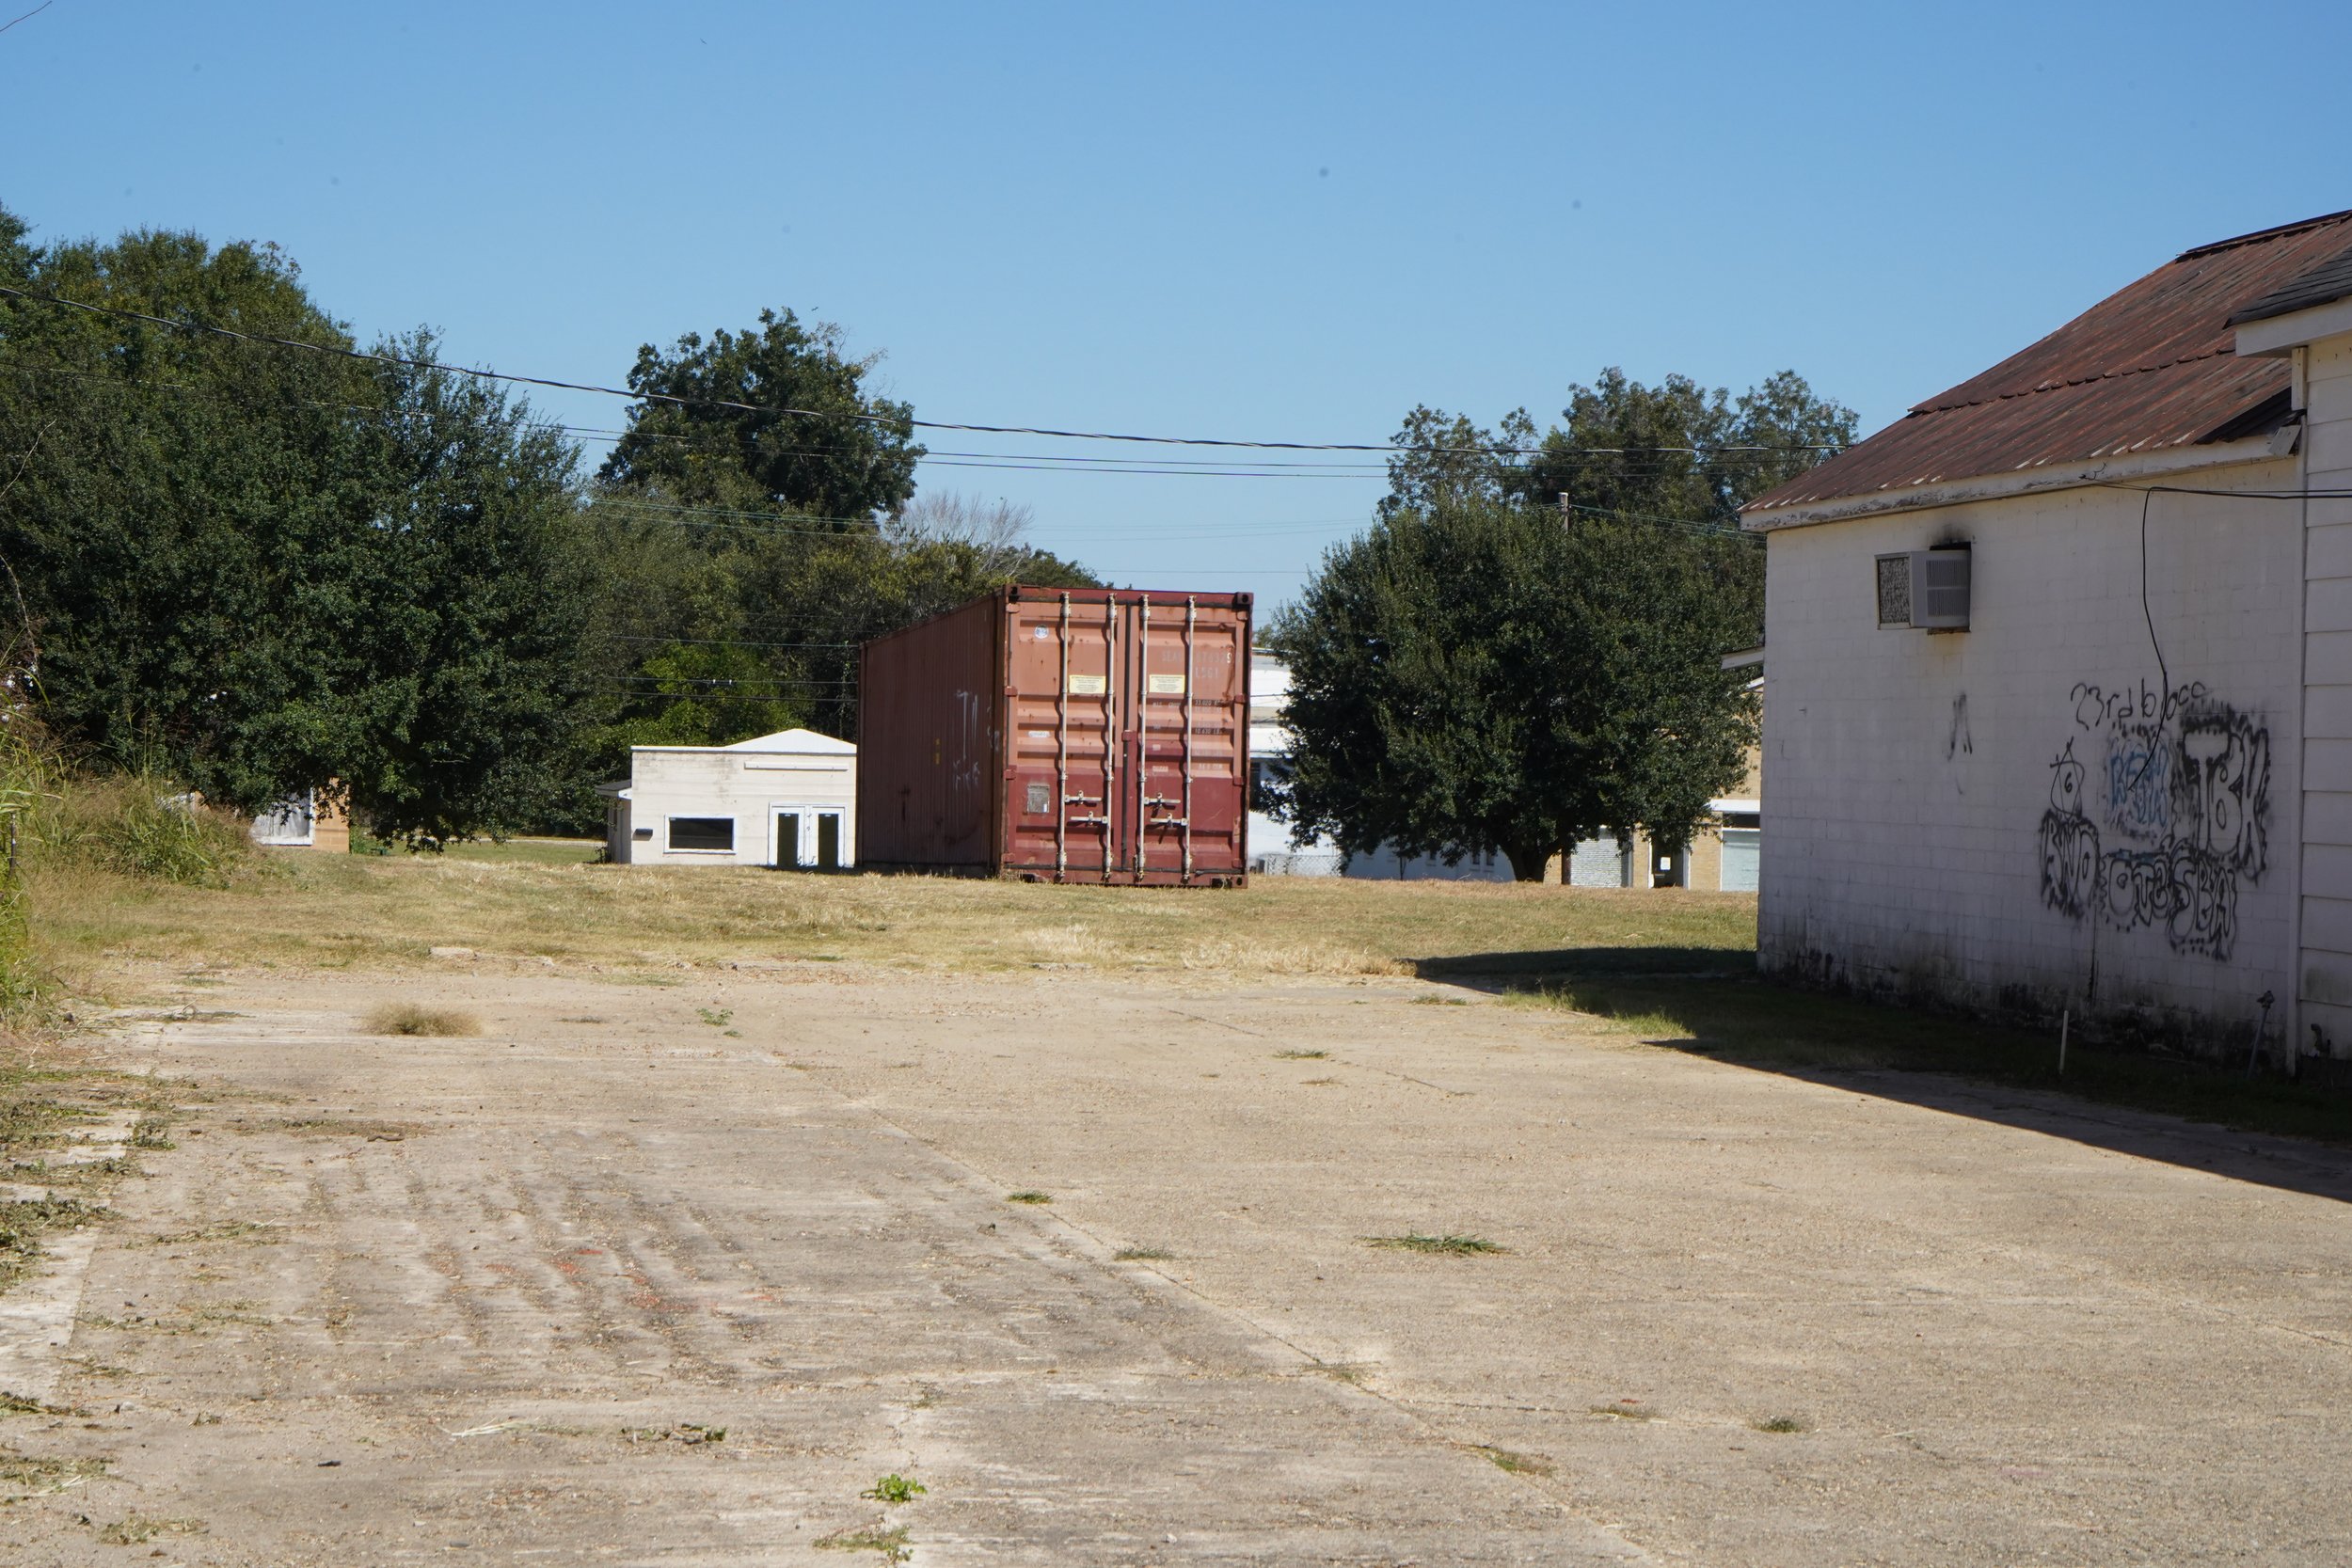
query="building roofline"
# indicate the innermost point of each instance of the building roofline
(2270, 233)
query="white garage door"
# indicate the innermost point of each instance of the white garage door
(1741, 848)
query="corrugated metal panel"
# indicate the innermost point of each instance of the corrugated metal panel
(1090, 734)
(2323, 285)
(927, 723)
(2148, 367)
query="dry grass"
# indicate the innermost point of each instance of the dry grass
(388, 911)
(407, 1018)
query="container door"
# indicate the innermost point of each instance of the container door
(1064, 671)
(787, 840)
(828, 840)
(1190, 742)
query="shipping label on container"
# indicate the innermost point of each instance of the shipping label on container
(1166, 685)
(1089, 686)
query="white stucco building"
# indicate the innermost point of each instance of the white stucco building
(787, 800)
(1271, 852)
(2060, 712)
(1722, 855)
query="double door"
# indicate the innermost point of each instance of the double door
(808, 838)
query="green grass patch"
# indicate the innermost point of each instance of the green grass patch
(1029, 1195)
(1512, 1462)
(893, 1544)
(1457, 1247)
(1300, 1056)
(1142, 1255)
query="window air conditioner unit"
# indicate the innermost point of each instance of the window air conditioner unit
(1926, 589)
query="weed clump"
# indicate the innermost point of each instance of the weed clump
(22, 1223)
(1141, 1255)
(1453, 1245)
(1028, 1196)
(136, 1531)
(407, 1018)
(895, 1488)
(1514, 1464)
(893, 1545)
(1779, 1423)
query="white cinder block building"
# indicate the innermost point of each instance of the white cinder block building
(787, 799)
(1271, 851)
(2060, 709)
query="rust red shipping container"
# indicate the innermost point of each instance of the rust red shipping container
(1087, 735)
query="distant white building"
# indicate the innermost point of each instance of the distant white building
(787, 800)
(1722, 855)
(1271, 852)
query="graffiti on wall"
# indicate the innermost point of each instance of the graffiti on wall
(2159, 813)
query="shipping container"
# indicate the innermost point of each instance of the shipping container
(1083, 734)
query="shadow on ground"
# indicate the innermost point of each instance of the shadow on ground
(1709, 1002)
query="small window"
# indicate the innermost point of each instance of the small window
(702, 833)
(1742, 819)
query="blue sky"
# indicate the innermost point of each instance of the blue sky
(1286, 222)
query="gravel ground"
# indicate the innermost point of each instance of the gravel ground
(399, 1299)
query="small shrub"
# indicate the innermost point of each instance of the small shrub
(894, 1488)
(1779, 1423)
(407, 1018)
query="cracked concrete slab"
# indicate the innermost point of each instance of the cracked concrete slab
(400, 1299)
(393, 1300)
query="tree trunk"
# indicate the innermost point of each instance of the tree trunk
(1528, 861)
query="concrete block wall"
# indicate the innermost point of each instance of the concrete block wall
(2324, 976)
(1971, 816)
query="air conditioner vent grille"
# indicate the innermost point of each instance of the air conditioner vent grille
(1926, 589)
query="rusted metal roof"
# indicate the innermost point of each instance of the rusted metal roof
(2324, 284)
(2150, 367)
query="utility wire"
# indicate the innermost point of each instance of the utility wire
(730, 405)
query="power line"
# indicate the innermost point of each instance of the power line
(29, 15)
(854, 416)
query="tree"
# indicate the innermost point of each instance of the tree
(1676, 451)
(839, 454)
(713, 628)
(1445, 460)
(255, 567)
(1485, 674)
(454, 627)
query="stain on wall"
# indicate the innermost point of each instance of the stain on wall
(2161, 817)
